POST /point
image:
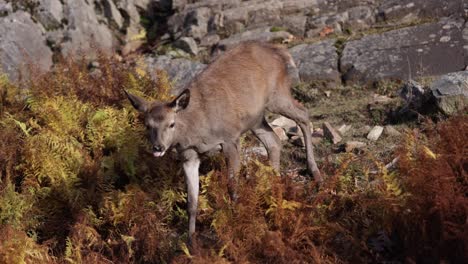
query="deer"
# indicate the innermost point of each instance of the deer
(227, 99)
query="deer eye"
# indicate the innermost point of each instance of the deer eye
(172, 125)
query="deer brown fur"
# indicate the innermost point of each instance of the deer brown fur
(227, 99)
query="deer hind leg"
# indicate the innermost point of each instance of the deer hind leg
(286, 106)
(191, 166)
(231, 152)
(270, 140)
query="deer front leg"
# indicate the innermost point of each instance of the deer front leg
(191, 165)
(231, 152)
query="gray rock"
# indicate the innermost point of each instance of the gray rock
(296, 24)
(261, 34)
(279, 131)
(414, 94)
(465, 42)
(344, 129)
(298, 141)
(391, 131)
(196, 22)
(180, 70)
(50, 13)
(132, 26)
(5, 8)
(22, 42)
(451, 92)
(283, 122)
(355, 18)
(405, 11)
(428, 49)
(113, 14)
(317, 62)
(209, 40)
(352, 145)
(85, 33)
(375, 133)
(330, 133)
(187, 44)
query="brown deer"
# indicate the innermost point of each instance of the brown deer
(227, 99)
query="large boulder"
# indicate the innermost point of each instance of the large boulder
(259, 34)
(22, 42)
(85, 33)
(428, 49)
(405, 11)
(180, 70)
(317, 62)
(451, 92)
(465, 43)
(50, 13)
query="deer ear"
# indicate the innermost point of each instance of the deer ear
(182, 101)
(139, 103)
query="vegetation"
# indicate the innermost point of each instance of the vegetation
(78, 185)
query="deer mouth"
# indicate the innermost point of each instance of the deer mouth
(158, 154)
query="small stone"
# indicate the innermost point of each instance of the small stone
(375, 133)
(391, 131)
(256, 151)
(331, 133)
(298, 141)
(209, 40)
(283, 122)
(343, 129)
(316, 140)
(381, 99)
(295, 131)
(279, 131)
(327, 93)
(187, 44)
(352, 145)
(318, 132)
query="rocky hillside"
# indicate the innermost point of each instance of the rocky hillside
(333, 41)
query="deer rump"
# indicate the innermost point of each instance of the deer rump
(227, 99)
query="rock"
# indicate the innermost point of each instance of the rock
(22, 42)
(283, 122)
(113, 14)
(380, 99)
(209, 40)
(180, 70)
(406, 11)
(317, 62)
(85, 33)
(330, 133)
(465, 42)
(298, 141)
(375, 133)
(414, 94)
(451, 92)
(5, 8)
(261, 34)
(428, 49)
(187, 44)
(279, 131)
(295, 24)
(50, 13)
(132, 28)
(344, 129)
(391, 131)
(352, 145)
(256, 151)
(318, 132)
(353, 19)
(196, 22)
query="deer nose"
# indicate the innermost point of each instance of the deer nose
(158, 148)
